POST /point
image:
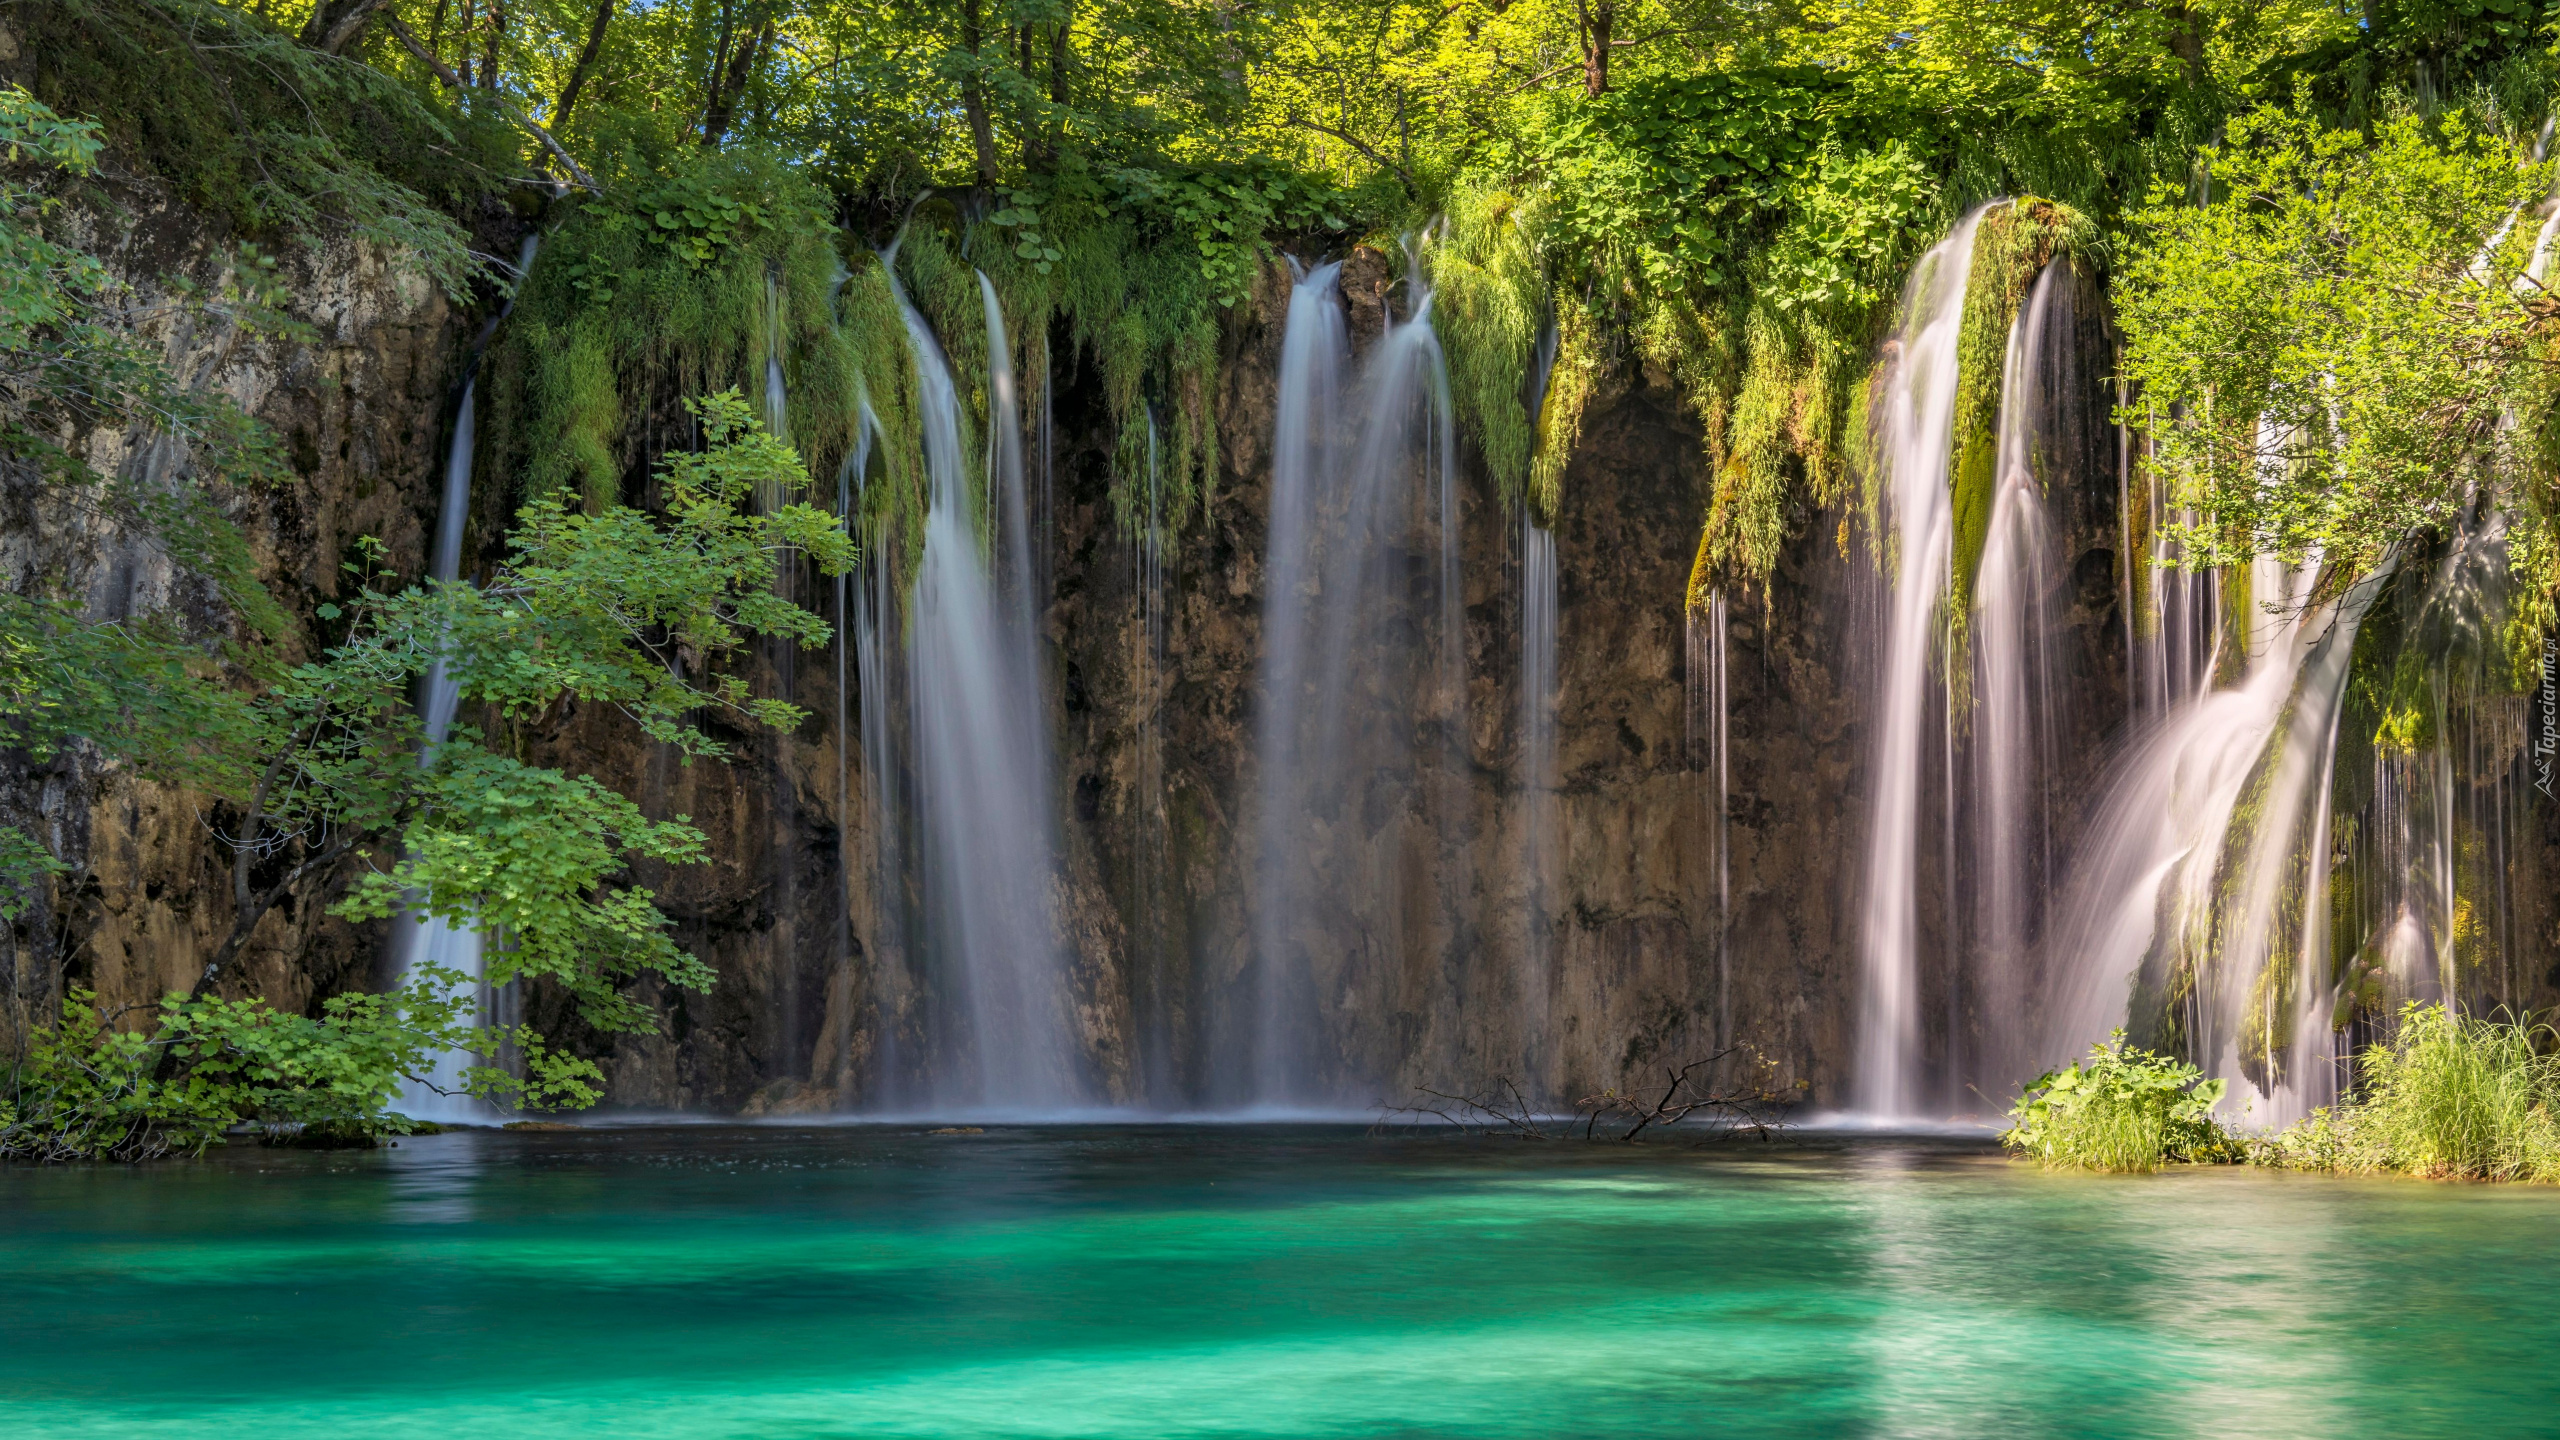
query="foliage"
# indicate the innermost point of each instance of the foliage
(678, 289)
(2447, 1096)
(2122, 1109)
(319, 761)
(2330, 348)
(70, 361)
(1488, 298)
(89, 1089)
(281, 141)
(2011, 247)
(1660, 181)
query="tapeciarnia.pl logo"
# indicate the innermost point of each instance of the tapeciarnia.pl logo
(2547, 745)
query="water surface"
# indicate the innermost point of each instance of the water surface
(1255, 1281)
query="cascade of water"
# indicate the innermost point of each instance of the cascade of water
(858, 878)
(775, 419)
(2018, 690)
(1709, 730)
(1341, 677)
(421, 941)
(2209, 852)
(1147, 867)
(1013, 511)
(877, 671)
(1313, 345)
(989, 833)
(1916, 428)
(1542, 839)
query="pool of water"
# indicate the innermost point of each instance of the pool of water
(1123, 1282)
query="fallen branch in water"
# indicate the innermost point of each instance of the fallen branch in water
(1755, 1106)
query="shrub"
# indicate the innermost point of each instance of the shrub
(2123, 1109)
(2449, 1096)
(88, 1089)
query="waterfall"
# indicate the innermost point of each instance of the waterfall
(1916, 429)
(1314, 342)
(868, 598)
(2018, 692)
(1543, 841)
(775, 417)
(989, 858)
(1345, 678)
(1705, 705)
(1149, 891)
(420, 939)
(2209, 851)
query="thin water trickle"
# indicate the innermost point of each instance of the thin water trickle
(1916, 428)
(1149, 883)
(419, 940)
(1542, 838)
(422, 940)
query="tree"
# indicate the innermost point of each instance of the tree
(2336, 348)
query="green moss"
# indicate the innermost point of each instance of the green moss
(1488, 295)
(2011, 247)
(278, 140)
(621, 319)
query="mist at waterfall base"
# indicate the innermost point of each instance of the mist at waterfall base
(1282, 1282)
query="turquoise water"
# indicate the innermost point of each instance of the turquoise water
(1255, 1282)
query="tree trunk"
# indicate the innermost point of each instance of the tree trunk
(335, 24)
(732, 86)
(973, 96)
(489, 51)
(586, 63)
(1062, 60)
(1595, 23)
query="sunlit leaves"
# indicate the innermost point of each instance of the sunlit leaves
(2330, 350)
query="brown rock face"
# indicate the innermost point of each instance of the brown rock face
(359, 406)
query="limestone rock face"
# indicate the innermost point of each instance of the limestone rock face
(358, 402)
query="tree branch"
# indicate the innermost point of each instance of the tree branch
(409, 41)
(586, 63)
(1354, 142)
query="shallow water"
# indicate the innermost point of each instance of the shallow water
(1255, 1281)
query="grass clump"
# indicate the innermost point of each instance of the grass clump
(2122, 1109)
(2448, 1097)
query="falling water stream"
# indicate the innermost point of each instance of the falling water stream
(1916, 427)
(1542, 838)
(421, 940)
(1336, 731)
(2018, 689)
(989, 833)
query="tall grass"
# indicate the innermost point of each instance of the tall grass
(2449, 1096)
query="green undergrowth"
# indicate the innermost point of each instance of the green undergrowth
(687, 282)
(686, 286)
(2011, 247)
(2122, 1109)
(1489, 303)
(1138, 272)
(2448, 1097)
